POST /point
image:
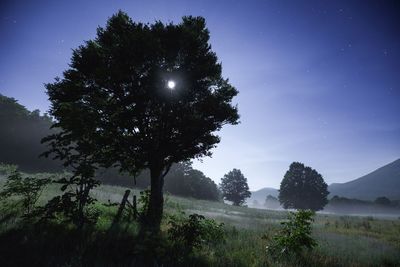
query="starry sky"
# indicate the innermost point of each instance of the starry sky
(319, 81)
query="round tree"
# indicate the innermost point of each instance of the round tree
(234, 187)
(383, 201)
(303, 188)
(144, 96)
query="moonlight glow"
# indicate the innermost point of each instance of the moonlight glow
(171, 85)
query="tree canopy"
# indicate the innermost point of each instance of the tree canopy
(303, 188)
(115, 98)
(234, 187)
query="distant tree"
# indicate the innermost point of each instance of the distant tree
(270, 198)
(271, 202)
(303, 188)
(336, 201)
(183, 180)
(383, 201)
(234, 187)
(147, 95)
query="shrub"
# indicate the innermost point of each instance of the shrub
(294, 236)
(194, 232)
(26, 190)
(75, 205)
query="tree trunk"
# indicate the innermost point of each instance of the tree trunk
(156, 202)
(82, 196)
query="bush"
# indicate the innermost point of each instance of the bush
(294, 236)
(25, 190)
(194, 232)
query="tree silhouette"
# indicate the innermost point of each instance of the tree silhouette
(78, 156)
(183, 180)
(118, 97)
(382, 201)
(234, 187)
(303, 188)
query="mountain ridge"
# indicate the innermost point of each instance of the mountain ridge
(382, 182)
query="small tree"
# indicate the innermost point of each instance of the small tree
(26, 189)
(303, 188)
(147, 95)
(234, 187)
(78, 157)
(294, 236)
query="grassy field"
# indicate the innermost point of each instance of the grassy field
(342, 240)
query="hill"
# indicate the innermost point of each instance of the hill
(384, 181)
(259, 196)
(21, 132)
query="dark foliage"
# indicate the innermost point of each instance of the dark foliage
(58, 245)
(114, 97)
(20, 134)
(234, 187)
(303, 188)
(181, 180)
(74, 205)
(78, 157)
(53, 244)
(192, 233)
(384, 201)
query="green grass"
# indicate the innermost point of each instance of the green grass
(342, 240)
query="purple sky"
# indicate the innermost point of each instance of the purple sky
(319, 81)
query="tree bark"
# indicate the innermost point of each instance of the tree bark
(156, 202)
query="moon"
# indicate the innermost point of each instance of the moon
(171, 84)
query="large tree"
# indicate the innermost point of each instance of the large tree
(234, 187)
(303, 188)
(144, 96)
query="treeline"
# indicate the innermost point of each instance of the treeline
(181, 180)
(380, 201)
(347, 205)
(21, 132)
